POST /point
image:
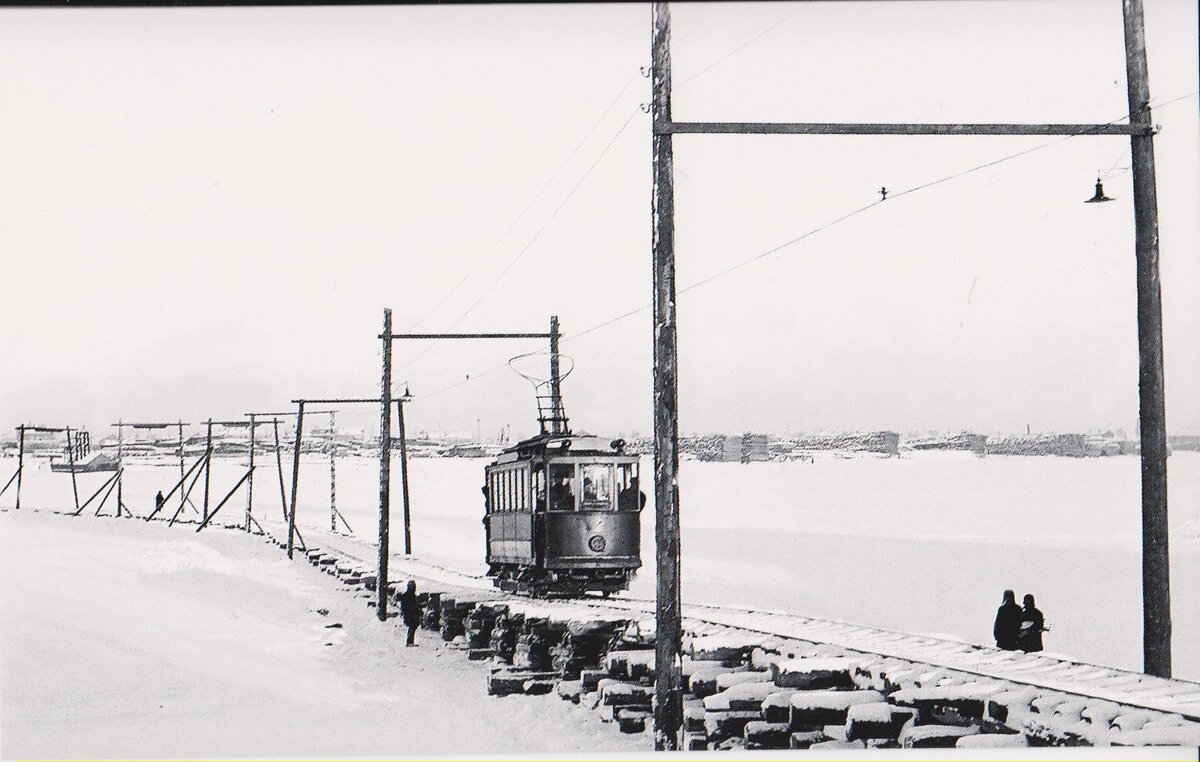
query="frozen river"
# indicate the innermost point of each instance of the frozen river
(922, 544)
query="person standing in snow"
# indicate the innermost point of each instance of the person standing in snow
(158, 502)
(410, 611)
(1008, 622)
(1033, 624)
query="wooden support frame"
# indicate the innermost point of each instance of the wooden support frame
(107, 482)
(211, 515)
(188, 491)
(178, 484)
(120, 426)
(20, 473)
(1156, 601)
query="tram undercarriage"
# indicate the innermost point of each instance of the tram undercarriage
(564, 583)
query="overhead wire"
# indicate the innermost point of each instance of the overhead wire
(579, 145)
(512, 263)
(740, 48)
(779, 247)
(529, 206)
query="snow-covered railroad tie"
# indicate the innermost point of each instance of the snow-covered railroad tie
(771, 680)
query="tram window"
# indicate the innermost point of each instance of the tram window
(523, 481)
(562, 489)
(597, 486)
(539, 487)
(491, 492)
(508, 490)
(628, 497)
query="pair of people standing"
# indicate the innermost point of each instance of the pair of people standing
(1018, 628)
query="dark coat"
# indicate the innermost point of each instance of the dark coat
(410, 608)
(1008, 624)
(1029, 638)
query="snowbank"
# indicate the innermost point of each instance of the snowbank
(122, 639)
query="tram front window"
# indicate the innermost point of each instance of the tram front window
(562, 489)
(597, 487)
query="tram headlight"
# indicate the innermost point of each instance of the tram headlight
(597, 543)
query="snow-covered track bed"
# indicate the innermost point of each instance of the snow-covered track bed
(765, 679)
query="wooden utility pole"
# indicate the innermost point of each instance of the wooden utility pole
(250, 478)
(283, 501)
(558, 416)
(668, 686)
(385, 465)
(404, 470)
(20, 462)
(182, 495)
(295, 477)
(207, 467)
(333, 514)
(1156, 567)
(120, 468)
(71, 460)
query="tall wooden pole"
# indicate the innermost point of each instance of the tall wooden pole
(20, 462)
(250, 478)
(668, 690)
(556, 424)
(182, 494)
(71, 460)
(207, 466)
(120, 467)
(295, 477)
(385, 465)
(404, 474)
(283, 502)
(1156, 568)
(332, 474)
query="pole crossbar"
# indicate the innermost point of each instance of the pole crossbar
(150, 425)
(871, 128)
(394, 336)
(42, 429)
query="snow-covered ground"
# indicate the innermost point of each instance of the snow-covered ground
(135, 640)
(923, 544)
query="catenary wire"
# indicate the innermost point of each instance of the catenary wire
(534, 239)
(814, 231)
(519, 217)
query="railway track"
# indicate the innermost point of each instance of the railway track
(776, 629)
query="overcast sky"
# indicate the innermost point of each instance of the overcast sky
(205, 211)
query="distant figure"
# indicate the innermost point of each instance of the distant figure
(158, 501)
(1033, 624)
(1008, 622)
(410, 611)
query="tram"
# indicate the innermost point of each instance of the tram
(563, 516)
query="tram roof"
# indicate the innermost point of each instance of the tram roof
(574, 443)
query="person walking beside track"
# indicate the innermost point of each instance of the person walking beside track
(1033, 624)
(1008, 622)
(410, 611)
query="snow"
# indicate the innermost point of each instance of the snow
(840, 700)
(878, 712)
(846, 539)
(123, 639)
